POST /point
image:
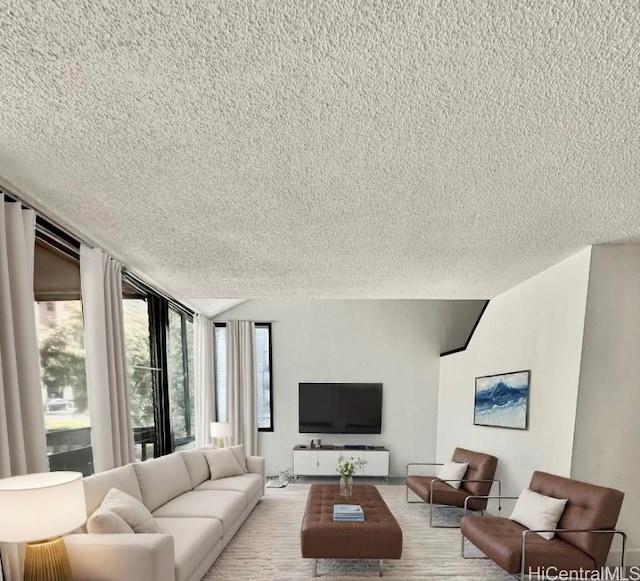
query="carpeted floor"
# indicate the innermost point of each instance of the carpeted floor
(268, 546)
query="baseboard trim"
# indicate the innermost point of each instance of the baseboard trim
(632, 557)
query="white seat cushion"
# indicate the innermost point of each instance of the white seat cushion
(162, 479)
(249, 484)
(193, 539)
(225, 505)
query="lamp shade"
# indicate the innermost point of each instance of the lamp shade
(220, 430)
(40, 506)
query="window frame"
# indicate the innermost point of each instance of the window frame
(158, 303)
(141, 434)
(158, 306)
(270, 428)
(267, 325)
(52, 236)
(190, 437)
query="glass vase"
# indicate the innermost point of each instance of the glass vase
(346, 485)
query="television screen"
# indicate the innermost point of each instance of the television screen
(340, 408)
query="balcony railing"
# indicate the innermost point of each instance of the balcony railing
(71, 449)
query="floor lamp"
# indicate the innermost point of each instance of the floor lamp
(220, 431)
(36, 509)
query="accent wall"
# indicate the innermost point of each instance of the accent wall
(396, 342)
(607, 434)
(537, 325)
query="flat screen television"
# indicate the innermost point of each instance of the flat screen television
(340, 408)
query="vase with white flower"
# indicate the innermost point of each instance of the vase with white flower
(347, 467)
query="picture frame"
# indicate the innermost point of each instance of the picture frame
(502, 400)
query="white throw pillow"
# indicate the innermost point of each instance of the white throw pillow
(453, 471)
(132, 511)
(536, 511)
(223, 463)
(104, 522)
(238, 452)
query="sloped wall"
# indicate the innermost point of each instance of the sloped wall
(607, 433)
(537, 325)
(458, 319)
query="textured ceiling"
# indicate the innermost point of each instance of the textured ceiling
(327, 149)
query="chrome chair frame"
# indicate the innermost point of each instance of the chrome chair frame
(523, 576)
(431, 503)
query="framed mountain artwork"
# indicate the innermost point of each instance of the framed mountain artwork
(502, 400)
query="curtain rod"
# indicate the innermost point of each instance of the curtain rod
(45, 225)
(55, 241)
(256, 321)
(143, 287)
(70, 241)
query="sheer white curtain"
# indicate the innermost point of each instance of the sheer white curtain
(241, 384)
(23, 446)
(107, 380)
(203, 362)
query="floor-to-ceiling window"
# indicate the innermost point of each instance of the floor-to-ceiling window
(181, 394)
(263, 371)
(264, 391)
(159, 336)
(141, 373)
(222, 410)
(159, 345)
(58, 309)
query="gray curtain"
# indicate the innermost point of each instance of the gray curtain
(23, 447)
(107, 379)
(204, 381)
(241, 384)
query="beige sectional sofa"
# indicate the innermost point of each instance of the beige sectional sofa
(197, 517)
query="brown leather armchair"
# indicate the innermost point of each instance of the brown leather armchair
(477, 481)
(583, 537)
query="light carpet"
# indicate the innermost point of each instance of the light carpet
(268, 545)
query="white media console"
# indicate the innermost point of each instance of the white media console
(323, 461)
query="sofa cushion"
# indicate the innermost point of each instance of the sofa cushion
(249, 484)
(162, 479)
(238, 452)
(193, 540)
(197, 466)
(538, 512)
(256, 465)
(132, 511)
(452, 471)
(500, 539)
(225, 505)
(104, 521)
(97, 486)
(222, 463)
(442, 493)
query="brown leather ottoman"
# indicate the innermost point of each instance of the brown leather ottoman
(378, 537)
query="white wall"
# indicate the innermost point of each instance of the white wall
(395, 342)
(607, 434)
(537, 325)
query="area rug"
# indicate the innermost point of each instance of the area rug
(267, 546)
